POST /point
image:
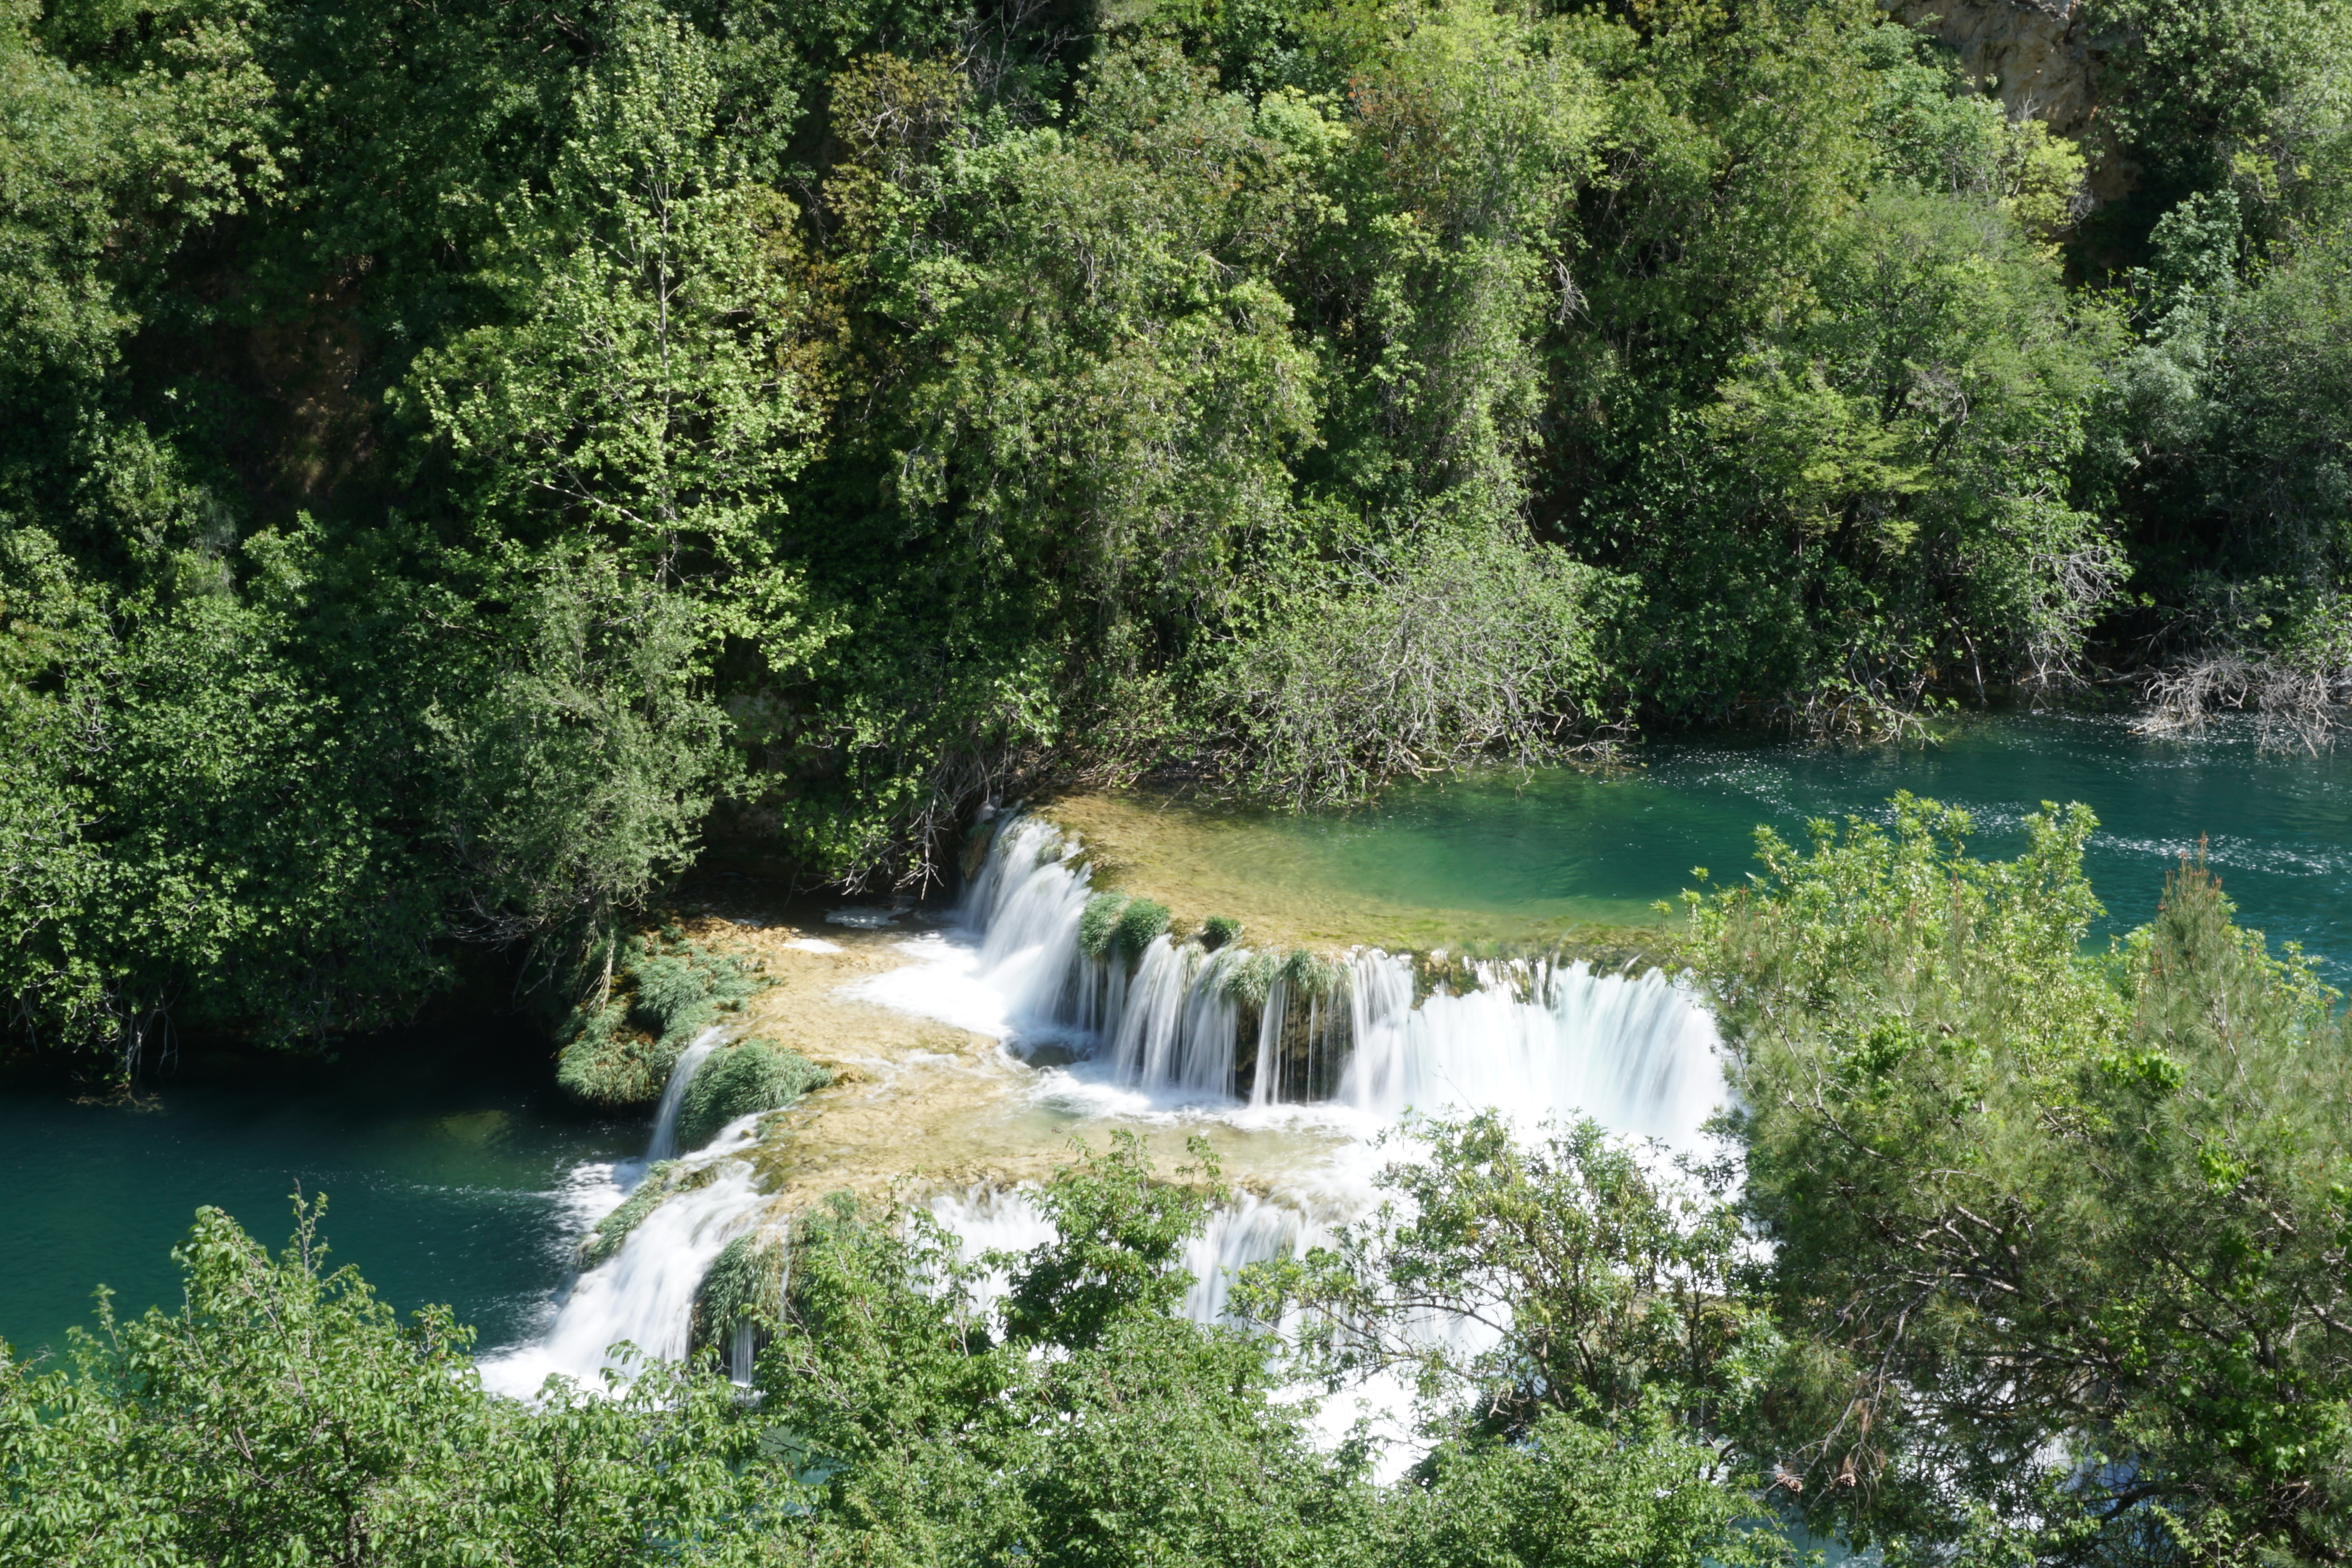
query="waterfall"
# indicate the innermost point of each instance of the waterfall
(1538, 1039)
(1257, 1030)
(643, 1294)
(663, 1143)
(1234, 1030)
(1024, 906)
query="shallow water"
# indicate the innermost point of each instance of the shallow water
(447, 1164)
(1529, 852)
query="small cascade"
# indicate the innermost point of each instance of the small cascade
(1538, 1039)
(643, 1293)
(1025, 906)
(1177, 1022)
(663, 1143)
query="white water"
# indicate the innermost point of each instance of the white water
(644, 1294)
(1538, 1041)
(663, 1145)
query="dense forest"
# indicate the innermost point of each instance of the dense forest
(459, 461)
(463, 460)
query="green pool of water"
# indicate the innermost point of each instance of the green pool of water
(443, 1155)
(1559, 846)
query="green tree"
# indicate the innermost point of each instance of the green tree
(2056, 1237)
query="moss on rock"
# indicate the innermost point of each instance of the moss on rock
(617, 1055)
(737, 1080)
(613, 1231)
(612, 1072)
(1140, 924)
(1098, 922)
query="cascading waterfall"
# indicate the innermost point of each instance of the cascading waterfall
(644, 1294)
(1255, 1032)
(664, 1143)
(1635, 1054)
(1234, 1029)
(1538, 1039)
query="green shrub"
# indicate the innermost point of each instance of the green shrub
(1100, 922)
(679, 992)
(746, 1281)
(668, 996)
(1249, 978)
(1141, 922)
(1310, 976)
(673, 994)
(612, 1074)
(1219, 931)
(755, 1075)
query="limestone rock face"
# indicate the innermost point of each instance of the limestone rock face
(2034, 50)
(2042, 55)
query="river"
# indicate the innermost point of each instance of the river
(455, 1177)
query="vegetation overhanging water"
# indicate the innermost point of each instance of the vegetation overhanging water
(464, 468)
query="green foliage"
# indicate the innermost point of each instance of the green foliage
(622, 1042)
(1249, 975)
(2242, 94)
(1314, 975)
(1219, 931)
(737, 1080)
(2054, 1237)
(281, 1415)
(1118, 1236)
(1098, 922)
(1572, 1493)
(1614, 1284)
(598, 1067)
(453, 458)
(745, 1285)
(1141, 922)
(1406, 663)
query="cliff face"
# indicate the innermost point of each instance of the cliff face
(2035, 51)
(2040, 54)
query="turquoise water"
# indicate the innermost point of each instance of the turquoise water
(446, 1156)
(1605, 844)
(443, 1156)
